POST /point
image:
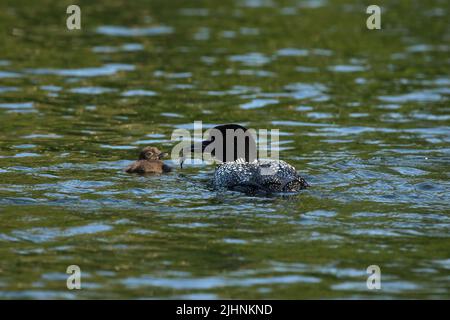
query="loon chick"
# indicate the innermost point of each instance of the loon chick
(149, 162)
(246, 173)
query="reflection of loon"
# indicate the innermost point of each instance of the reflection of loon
(248, 174)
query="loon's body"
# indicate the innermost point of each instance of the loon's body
(244, 172)
(259, 176)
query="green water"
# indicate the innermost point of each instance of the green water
(363, 114)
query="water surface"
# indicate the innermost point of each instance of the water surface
(363, 115)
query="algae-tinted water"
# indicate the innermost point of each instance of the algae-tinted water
(363, 115)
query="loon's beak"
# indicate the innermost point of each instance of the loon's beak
(183, 156)
(193, 149)
(202, 146)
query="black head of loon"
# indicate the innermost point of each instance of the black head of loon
(241, 144)
(242, 171)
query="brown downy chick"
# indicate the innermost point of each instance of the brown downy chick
(149, 162)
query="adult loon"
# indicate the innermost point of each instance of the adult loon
(149, 162)
(244, 172)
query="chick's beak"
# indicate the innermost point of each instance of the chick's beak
(163, 155)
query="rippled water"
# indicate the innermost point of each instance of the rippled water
(363, 115)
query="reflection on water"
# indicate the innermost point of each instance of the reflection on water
(362, 115)
(120, 31)
(106, 70)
